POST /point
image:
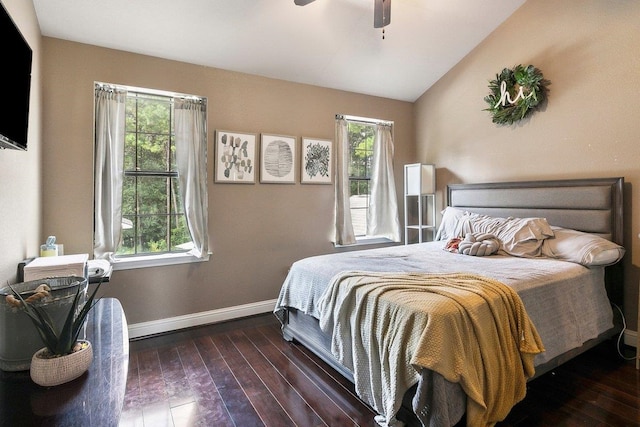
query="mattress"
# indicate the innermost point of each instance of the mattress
(567, 302)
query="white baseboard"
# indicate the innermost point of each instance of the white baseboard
(137, 330)
(631, 338)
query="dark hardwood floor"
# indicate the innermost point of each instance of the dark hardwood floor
(242, 373)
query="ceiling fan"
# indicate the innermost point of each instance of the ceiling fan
(381, 11)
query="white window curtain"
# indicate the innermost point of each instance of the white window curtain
(382, 215)
(108, 169)
(344, 234)
(191, 159)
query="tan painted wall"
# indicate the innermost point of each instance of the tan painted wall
(20, 170)
(256, 231)
(590, 50)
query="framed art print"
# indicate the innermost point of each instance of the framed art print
(277, 159)
(316, 161)
(235, 159)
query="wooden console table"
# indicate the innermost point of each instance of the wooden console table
(94, 399)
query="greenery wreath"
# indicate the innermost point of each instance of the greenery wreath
(515, 93)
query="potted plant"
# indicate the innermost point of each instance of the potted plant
(64, 357)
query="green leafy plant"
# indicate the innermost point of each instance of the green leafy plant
(515, 93)
(62, 342)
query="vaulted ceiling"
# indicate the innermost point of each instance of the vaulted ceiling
(328, 43)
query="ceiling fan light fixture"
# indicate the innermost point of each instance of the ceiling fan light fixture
(381, 13)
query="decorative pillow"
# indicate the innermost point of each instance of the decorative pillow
(479, 244)
(449, 225)
(521, 237)
(582, 248)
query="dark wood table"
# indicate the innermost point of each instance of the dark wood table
(94, 399)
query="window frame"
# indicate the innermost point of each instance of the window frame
(154, 259)
(365, 239)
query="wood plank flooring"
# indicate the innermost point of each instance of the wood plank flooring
(242, 373)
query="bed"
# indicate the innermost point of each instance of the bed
(567, 299)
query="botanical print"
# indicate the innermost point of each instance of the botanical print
(235, 157)
(316, 161)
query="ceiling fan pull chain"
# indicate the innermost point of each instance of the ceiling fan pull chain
(383, 19)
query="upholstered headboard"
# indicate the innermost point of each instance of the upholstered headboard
(590, 205)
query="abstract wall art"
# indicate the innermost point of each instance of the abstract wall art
(277, 159)
(235, 157)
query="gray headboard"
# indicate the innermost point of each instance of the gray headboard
(590, 205)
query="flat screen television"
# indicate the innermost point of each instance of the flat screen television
(16, 79)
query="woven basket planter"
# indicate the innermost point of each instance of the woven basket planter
(59, 370)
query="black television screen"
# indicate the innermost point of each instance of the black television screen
(16, 78)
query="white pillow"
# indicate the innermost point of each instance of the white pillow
(449, 226)
(582, 248)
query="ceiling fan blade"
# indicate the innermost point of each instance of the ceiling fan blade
(381, 13)
(302, 2)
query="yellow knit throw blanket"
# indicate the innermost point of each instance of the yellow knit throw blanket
(470, 329)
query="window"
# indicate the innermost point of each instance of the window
(361, 139)
(153, 219)
(150, 162)
(366, 208)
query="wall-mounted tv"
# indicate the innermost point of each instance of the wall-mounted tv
(16, 79)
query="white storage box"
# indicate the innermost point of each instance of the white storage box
(56, 266)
